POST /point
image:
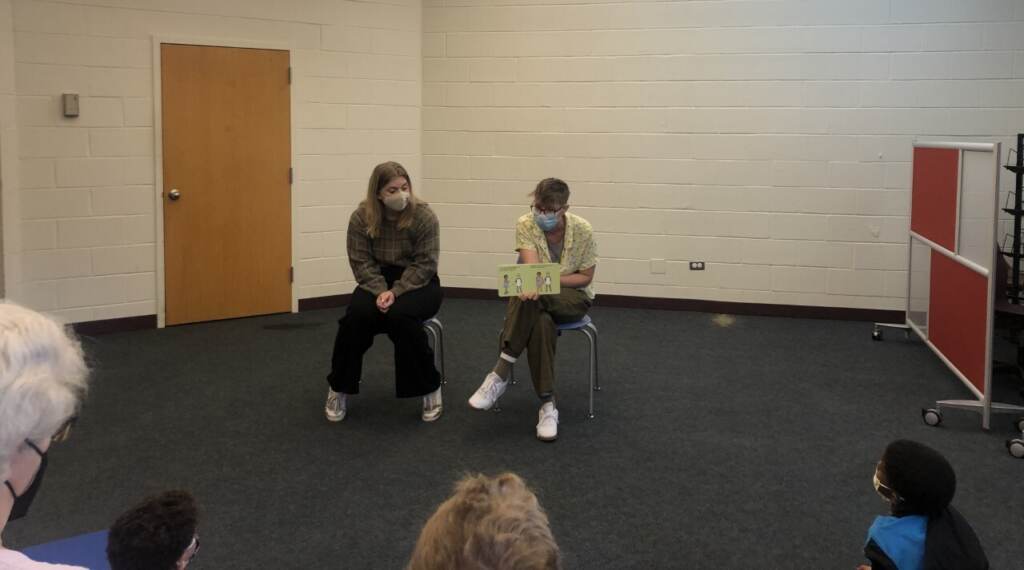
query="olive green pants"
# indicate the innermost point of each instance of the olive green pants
(531, 326)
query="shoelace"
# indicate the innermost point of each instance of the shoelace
(492, 388)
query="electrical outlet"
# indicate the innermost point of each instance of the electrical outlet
(696, 266)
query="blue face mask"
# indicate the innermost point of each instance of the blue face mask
(546, 222)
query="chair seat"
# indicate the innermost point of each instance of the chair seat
(576, 325)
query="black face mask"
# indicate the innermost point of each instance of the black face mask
(24, 501)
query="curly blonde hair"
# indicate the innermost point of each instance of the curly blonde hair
(489, 523)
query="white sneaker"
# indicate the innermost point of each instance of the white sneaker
(336, 405)
(432, 406)
(488, 393)
(547, 425)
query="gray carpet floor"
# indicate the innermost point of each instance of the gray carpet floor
(742, 446)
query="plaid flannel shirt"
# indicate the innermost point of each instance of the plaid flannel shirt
(416, 248)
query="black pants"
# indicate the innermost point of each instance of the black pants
(415, 374)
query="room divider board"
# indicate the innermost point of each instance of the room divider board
(952, 257)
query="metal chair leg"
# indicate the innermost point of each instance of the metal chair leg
(597, 377)
(440, 349)
(593, 367)
(434, 335)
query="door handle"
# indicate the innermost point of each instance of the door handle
(174, 195)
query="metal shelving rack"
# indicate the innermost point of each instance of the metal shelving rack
(1014, 292)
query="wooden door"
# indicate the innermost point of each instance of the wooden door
(226, 182)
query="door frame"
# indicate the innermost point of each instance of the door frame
(158, 153)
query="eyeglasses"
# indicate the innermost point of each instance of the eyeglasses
(195, 549)
(544, 212)
(64, 432)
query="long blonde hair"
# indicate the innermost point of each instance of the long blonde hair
(489, 523)
(373, 210)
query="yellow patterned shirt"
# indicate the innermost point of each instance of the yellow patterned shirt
(579, 251)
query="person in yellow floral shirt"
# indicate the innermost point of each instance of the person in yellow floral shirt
(548, 234)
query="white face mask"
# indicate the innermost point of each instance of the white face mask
(396, 201)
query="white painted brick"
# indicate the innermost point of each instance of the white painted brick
(36, 173)
(38, 111)
(374, 117)
(122, 200)
(138, 112)
(321, 116)
(139, 229)
(124, 310)
(91, 172)
(856, 175)
(983, 65)
(433, 45)
(799, 226)
(324, 218)
(140, 287)
(334, 244)
(69, 316)
(37, 204)
(43, 142)
(37, 235)
(385, 67)
(50, 80)
(345, 38)
(121, 142)
(395, 44)
(98, 112)
(868, 229)
(81, 50)
(120, 82)
(867, 283)
(918, 11)
(91, 291)
(90, 232)
(880, 256)
(39, 295)
(56, 264)
(130, 259)
(799, 279)
(309, 246)
(386, 16)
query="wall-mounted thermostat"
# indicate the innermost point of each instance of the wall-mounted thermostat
(70, 101)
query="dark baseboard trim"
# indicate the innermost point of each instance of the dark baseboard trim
(143, 322)
(761, 309)
(664, 304)
(107, 326)
(328, 302)
(701, 306)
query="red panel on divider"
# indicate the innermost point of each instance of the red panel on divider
(958, 316)
(933, 208)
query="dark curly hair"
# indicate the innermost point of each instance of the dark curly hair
(921, 477)
(155, 533)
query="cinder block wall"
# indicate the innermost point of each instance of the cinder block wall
(86, 219)
(770, 139)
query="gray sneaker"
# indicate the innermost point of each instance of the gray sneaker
(432, 406)
(337, 405)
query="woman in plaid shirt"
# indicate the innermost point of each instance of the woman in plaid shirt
(393, 247)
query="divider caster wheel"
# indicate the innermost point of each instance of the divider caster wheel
(1020, 425)
(1016, 447)
(876, 334)
(931, 416)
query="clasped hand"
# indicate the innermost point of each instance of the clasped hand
(385, 300)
